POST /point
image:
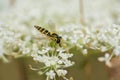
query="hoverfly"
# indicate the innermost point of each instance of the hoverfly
(55, 37)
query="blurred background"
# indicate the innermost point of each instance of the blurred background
(31, 12)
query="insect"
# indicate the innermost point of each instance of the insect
(51, 35)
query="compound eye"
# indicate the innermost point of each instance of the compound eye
(60, 37)
(58, 41)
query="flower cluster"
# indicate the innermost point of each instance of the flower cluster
(13, 41)
(54, 62)
(101, 38)
(110, 36)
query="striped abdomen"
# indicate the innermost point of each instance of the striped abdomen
(42, 30)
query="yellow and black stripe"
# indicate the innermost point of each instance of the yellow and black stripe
(53, 36)
(42, 30)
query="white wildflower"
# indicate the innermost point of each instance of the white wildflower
(51, 74)
(80, 46)
(84, 51)
(68, 63)
(65, 55)
(1, 50)
(116, 50)
(106, 58)
(61, 72)
(53, 61)
(103, 48)
(26, 51)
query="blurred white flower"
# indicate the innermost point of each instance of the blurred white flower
(116, 50)
(1, 50)
(65, 55)
(106, 58)
(84, 51)
(50, 74)
(103, 48)
(61, 72)
(26, 51)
